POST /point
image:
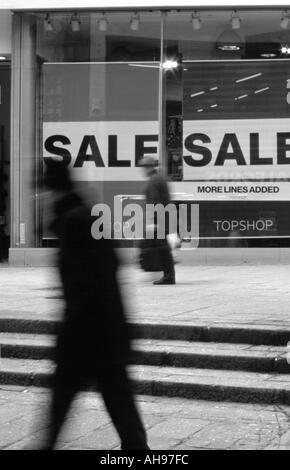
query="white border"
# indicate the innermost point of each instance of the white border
(107, 4)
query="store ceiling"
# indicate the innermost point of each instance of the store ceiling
(257, 27)
(178, 24)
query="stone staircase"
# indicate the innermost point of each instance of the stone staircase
(191, 361)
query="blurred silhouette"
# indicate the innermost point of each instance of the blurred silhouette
(157, 192)
(93, 345)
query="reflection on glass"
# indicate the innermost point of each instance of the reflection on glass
(227, 123)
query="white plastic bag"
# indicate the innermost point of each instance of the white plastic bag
(174, 240)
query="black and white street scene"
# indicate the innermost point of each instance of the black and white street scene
(144, 227)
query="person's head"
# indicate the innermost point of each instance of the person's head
(57, 176)
(149, 165)
(57, 180)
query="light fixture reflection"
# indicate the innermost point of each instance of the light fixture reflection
(268, 55)
(229, 41)
(47, 24)
(75, 23)
(249, 77)
(197, 94)
(196, 21)
(285, 20)
(103, 24)
(170, 64)
(262, 90)
(285, 49)
(135, 22)
(241, 97)
(236, 21)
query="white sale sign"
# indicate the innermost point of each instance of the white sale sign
(101, 151)
(236, 149)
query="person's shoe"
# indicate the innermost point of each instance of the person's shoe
(164, 280)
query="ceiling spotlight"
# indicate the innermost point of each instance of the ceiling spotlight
(135, 22)
(284, 49)
(103, 23)
(197, 94)
(268, 55)
(75, 23)
(229, 41)
(285, 20)
(236, 21)
(47, 23)
(196, 21)
(3, 57)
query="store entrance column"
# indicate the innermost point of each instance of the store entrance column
(5, 85)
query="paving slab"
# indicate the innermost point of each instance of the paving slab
(208, 295)
(171, 423)
(242, 297)
(211, 384)
(164, 352)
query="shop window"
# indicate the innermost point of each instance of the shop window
(99, 101)
(226, 102)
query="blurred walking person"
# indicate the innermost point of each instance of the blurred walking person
(93, 345)
(157, 192)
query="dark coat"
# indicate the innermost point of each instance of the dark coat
(94, 331)
(156, 191)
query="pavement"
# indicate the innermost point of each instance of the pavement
(247, 296)
(171, 423)
(238, 295)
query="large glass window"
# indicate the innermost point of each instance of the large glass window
(205, 91)
(226, 121)
(100, 98)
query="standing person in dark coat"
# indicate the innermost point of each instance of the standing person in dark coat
(157, 192)
(93, 345)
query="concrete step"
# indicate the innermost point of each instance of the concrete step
(227, 356)
(27, 346)
(205, 384)
(208, 355)
(248, 334)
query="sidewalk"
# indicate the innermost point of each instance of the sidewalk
(252, 296)
(174, 424)
(238, 296)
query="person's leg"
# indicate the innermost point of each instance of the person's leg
(115, 387)
(169, 271)
(64, 390)
(167, 263)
